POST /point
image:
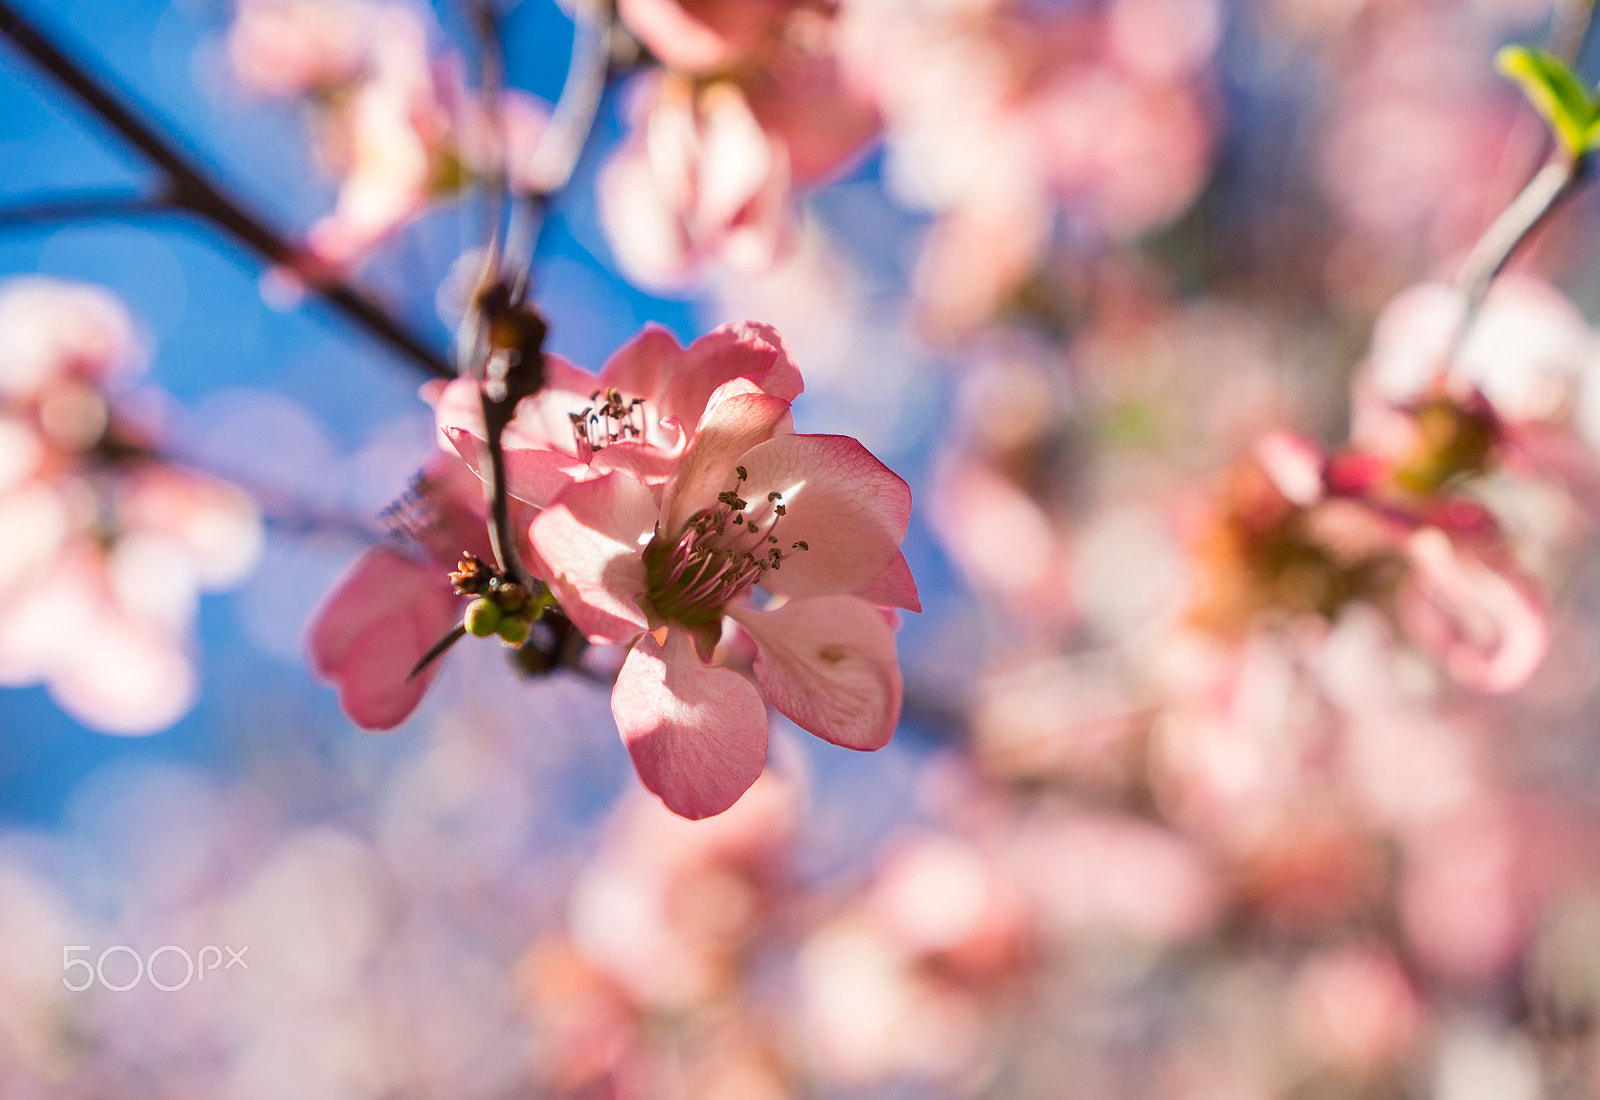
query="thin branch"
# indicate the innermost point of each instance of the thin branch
(90, 206)
(508, 372)
(436, 651)
(496, 415)
(1540, 197)
(491, 65)
(1549, 188)
(561, 144)
(188, 189)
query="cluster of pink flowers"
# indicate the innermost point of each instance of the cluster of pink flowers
(663, 494)
(750, 103)
(996, 115)
(1261, 746)
(107, 545)
(396, 124)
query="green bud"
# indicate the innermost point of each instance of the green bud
(514, 629)
(482, 618)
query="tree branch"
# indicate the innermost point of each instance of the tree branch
(188, 189)
(89, 206)
(1550, 187)
(565, 137)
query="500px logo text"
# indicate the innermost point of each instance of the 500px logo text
(145, 967)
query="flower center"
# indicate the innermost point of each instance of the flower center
(607, 422)
(723, 552)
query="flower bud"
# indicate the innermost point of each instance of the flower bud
(514, 629)
(483, 618)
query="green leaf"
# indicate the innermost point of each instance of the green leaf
(1555, 92)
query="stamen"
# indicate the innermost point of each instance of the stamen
(614, 419)
(710, 565)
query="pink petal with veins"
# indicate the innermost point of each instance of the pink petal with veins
(828, 664)
(737, 418)
(533, 475)
(589, 543)
(370, 632)
(680, 381)
(850, 509)
(894, 587)
(697, 735)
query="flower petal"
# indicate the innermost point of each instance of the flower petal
(740, 349)
(589, 544)
(534, 475)
(383, 616)
(638, 367)
(894, 587)
(697, 735)
(738, 416)
(679, 382)
(848, 508)
(126, 677)
(1484, 622)
(828, 663)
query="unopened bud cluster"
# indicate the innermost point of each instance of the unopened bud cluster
(503, 606)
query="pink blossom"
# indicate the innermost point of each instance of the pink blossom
(394, 131)
(996, 114)
(697, 181)
(397, 125)
(660, 389)
(289, 47)
(106, 627)
(1305, 532)
(1353, 1007)
(700, 36)
(1525, 351)
(106, 547)
(753, 103)
(53, 334)
(396, 601)
(869, 1013)
(812, 519)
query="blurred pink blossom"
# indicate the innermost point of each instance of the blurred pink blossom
(393, 122)
(292, 47)
(752, 103)
(1353, 1007)
(107, 545)
(997, 113)
(1526, 351)
(700, 36)
(697, 181)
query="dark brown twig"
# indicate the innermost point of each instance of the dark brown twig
(90, 206)
(189, 190)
